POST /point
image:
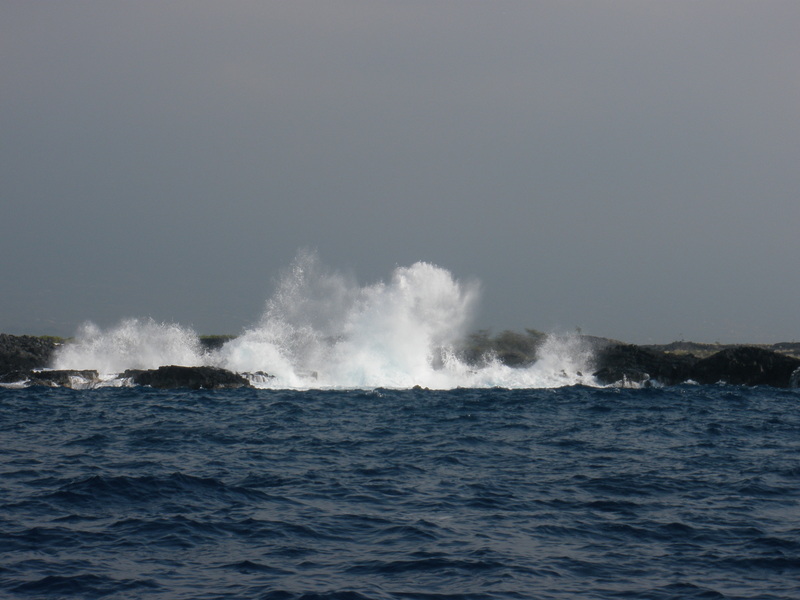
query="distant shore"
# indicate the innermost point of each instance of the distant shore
(614, 362)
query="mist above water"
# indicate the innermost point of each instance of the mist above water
(321, 329)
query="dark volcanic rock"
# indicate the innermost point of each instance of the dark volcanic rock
(24, 352)
(741, 365)
(61, 378)
(747, 365)
(195, 378)
(625, 362)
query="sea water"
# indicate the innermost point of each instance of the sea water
(574, 492)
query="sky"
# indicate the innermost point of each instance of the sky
(628, 168)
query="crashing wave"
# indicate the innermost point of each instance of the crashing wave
(320, 329)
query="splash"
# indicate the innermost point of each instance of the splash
(133, 344)
(321, 324)
(321, 329)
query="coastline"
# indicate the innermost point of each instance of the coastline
(25, 359)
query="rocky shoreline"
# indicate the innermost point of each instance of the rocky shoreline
(24, 361)
(737, 365)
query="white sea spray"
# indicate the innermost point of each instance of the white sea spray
(132, 344)
(324, 326)
(321, 329)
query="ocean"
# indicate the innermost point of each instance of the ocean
(573, 492)
(375, 459)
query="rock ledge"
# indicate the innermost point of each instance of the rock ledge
(193, 378)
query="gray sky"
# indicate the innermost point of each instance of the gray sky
(630, 168)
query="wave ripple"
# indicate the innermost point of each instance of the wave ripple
(495, 494)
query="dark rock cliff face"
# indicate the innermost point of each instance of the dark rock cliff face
(743, 365)
(24, 352)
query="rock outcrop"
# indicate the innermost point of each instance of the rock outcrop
(747, 366)
(630, 363)
(194, 378)
(24, 352)
(742, 365)
(54, 378)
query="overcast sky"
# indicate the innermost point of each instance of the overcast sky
(631, 168)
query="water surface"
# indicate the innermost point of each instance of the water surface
(686, 492)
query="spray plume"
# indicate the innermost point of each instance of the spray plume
(321, 329)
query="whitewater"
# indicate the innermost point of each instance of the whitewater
(322, 330)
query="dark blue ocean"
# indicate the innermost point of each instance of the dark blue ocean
(571, 493)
